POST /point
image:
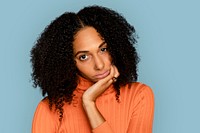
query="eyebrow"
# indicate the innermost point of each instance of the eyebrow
(88, 51)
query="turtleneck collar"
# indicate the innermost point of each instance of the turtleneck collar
(83, 83)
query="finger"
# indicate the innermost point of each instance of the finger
(116, 72)
(114, 79)
(108, 79)
(111, 75)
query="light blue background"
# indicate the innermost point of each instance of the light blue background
(169, 45)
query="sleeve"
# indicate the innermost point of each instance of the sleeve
(143, 111)
(103, 128)
(43, 120)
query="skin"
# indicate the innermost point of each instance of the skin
(95, 64)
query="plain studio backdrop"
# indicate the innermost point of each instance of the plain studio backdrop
(168, 45)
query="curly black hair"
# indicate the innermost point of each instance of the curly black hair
(52, 58)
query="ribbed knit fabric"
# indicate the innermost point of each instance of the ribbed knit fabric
(132, 114)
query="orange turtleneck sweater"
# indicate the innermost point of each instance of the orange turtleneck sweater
(133, 114)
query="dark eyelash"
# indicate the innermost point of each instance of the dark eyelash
(82, 56)
(103, 49)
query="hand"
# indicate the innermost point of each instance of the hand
(100, 86)
(90, 95)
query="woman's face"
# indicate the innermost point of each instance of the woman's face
(90, 52)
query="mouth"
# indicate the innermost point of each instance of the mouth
(102, 75)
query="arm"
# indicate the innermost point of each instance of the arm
(143, 110)
(89, 97)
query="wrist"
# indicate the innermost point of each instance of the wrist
(87, 102)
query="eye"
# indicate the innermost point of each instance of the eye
(83, 57)
(103, 49)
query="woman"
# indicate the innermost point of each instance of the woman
(86, 64)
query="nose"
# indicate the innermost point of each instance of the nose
(98, 62)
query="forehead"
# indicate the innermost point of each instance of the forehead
(87, 38)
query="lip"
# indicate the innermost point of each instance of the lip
(102, 75)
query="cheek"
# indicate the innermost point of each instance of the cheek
(85, 69)
(108, 59)
(82, 69)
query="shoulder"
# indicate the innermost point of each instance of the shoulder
(44, 103)
(137, 91)
(142, 88)
(44, 108)
(43, 111)
(137, 95)
(138, 87)
(45, 119)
